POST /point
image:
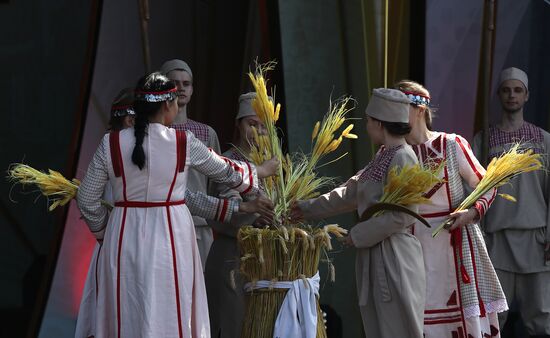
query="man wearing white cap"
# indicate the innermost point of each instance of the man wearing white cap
(389, 266)
(518, 234)
(180, 72)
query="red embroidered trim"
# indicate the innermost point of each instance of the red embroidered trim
(224, 210)
(442, 310)
(470, 161)
(171, 233)
(114, 145)
(250, 179)
(447, 173)
(182, 149)
(118, 155)
(141, 204)
(443, 321)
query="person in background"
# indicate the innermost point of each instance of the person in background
(518, 234)
(180, 72)
(389, 267)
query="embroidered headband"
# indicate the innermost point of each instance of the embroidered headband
(160, 96)
(120, 111)
(418, 99)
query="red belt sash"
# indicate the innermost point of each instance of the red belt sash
(140, 204)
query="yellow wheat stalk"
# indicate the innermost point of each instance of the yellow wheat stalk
(52, 184)
(297, 178)
(407, 185)
(500, 171)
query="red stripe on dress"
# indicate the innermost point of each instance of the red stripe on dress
(118, 157)
(171, 233)
(182, 149)
(423, 152)
(114, 146)
(467, 155)
(224, 209)
(447, 173)
(237, 169)
(470, 244)
(218, 209)
(442, 310)
(174, 266)
(250, 179)
(119, 253)
(482, 202)
(142, 204)
(433, 190)
(493, 196)
(443, 321)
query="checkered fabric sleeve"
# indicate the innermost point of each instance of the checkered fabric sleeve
(209, 207)
(237, 175)
(472, 172)
(91, 190)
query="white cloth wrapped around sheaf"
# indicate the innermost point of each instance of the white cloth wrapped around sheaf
(297, 317)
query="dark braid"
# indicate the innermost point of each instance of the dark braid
(147, 110)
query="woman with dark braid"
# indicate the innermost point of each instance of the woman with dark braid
(151, 282)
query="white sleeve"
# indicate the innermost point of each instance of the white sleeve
(210, 207)
(237, 175)
(91, 190)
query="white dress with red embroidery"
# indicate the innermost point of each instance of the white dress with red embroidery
(150, 282)
(208, 207)
(463, 294)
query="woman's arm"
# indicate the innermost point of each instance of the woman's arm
(472, 172)
(91, 190)
(240, 176)
(339, 200)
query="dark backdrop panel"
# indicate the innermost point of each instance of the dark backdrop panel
(44, 59)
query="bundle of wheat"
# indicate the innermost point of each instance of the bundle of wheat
(297, 178)
(282, 254)
(500, 171)
(284, 251)
(53, 185)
